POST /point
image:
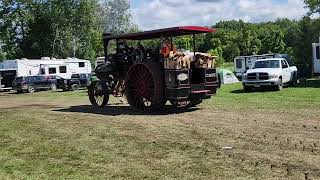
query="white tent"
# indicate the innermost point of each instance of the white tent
(227, 77)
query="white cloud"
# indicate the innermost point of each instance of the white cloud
(152, 14)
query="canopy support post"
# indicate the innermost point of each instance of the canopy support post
(194, 46)
(171, 41)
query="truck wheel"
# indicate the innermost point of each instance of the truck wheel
(98, 94)
(294, 80)
(279, 87)
(75, 87)
(247, 89)
(31, 89)
(53, 87)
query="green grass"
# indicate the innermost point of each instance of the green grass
(291, 100)
(52, 135)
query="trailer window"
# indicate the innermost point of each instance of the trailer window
(318, 52)
(52, 70)
(239, 63)
(81, 64)
(63, 69)
(42, 71)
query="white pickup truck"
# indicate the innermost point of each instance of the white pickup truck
(269, 72)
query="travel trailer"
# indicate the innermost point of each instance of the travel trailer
(99, 60)
(316, 58)
(45, 66)
(244, 63)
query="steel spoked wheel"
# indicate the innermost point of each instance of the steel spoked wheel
(98, 94)
(144, 87)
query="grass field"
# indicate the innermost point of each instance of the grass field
(234, 135)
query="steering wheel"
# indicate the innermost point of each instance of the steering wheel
(137, 55)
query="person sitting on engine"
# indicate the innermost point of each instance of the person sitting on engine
(167, 46)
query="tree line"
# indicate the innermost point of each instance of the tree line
(234, 38)
(293, 37)
(55, 28)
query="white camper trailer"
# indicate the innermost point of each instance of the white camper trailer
(44, 66)
(99, 60)
(244, 63)
(316, 58)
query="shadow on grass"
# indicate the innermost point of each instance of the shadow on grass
(262, 89)
(82, 91)
(310, 83)
(115, 110)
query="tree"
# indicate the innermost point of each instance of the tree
(14, 16)
(36, 28)
(184, 42)
(272, 41)
(313, 5)
(231, 25)
(116, 16)
(230, 51)
(249, 43)
(217, 52)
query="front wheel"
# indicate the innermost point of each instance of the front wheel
(31, 89)
(98, 94)
(53, 87)
(279, 87)
(75, 87)
(294, 80)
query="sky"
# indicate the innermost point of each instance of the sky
(152, 14)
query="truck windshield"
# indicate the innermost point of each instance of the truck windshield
(267, 64)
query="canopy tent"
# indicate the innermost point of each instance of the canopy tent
(174, 31)
(227, 77)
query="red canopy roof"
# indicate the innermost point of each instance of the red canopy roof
(174, 31)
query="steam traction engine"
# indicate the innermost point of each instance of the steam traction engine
(148, 78)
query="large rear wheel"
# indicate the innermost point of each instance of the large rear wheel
(144, 87)
(98, 94)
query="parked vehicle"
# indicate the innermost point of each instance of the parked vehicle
(316, 58)
(99, 60)
(243, 63)
(76, 82)
(148, 78)
(45, 66)
(269, 72)
(6, 78)
(33, 83)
